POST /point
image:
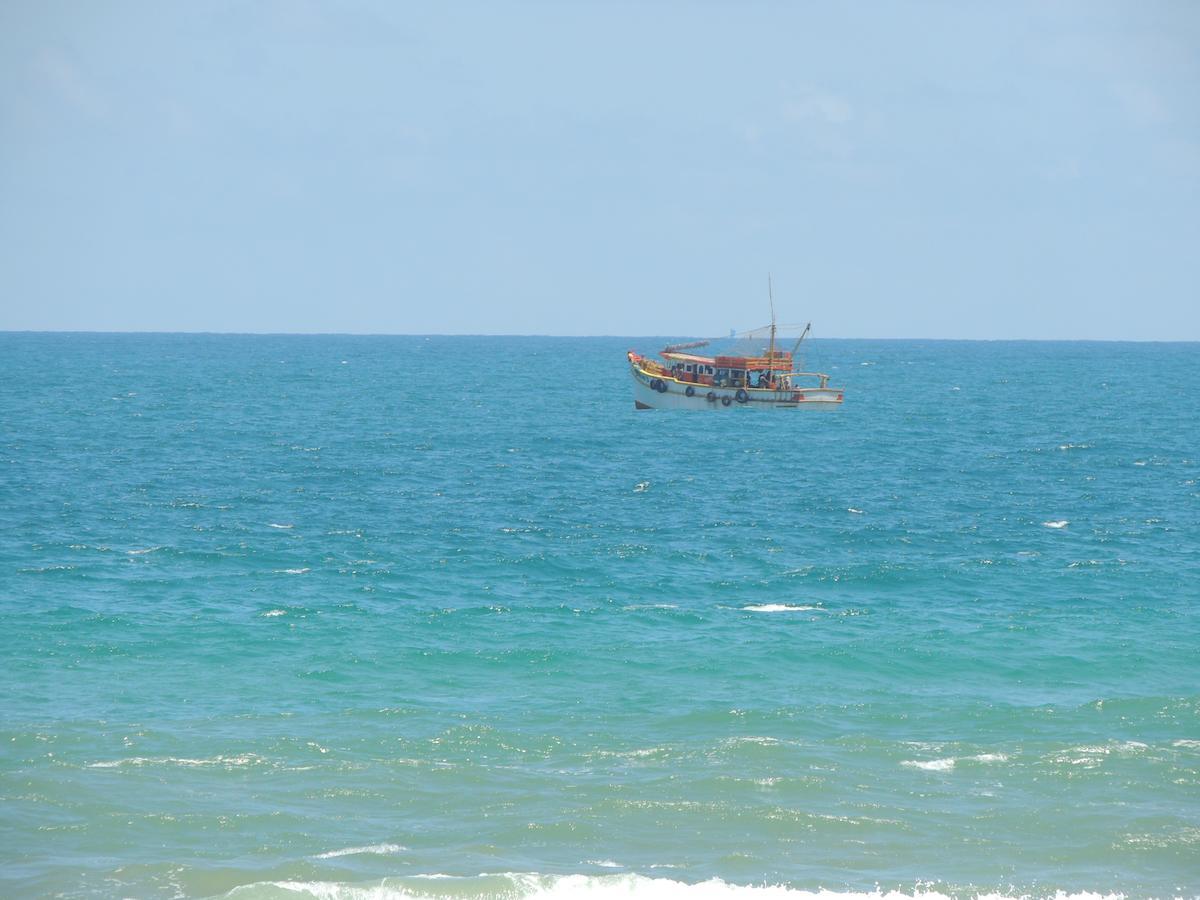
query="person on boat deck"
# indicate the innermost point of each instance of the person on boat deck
(763, 381)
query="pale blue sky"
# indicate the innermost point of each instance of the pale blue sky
(1003, 170)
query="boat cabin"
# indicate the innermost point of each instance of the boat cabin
(729, 371)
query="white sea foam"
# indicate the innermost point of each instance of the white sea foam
(851, 509)
(761, 740)
(292, 571)
(642, 753)
(1060, 523)
(376, 849)
(641, 486)
(143, 551)
(278, 525)
(931, 765)
(779, 607)
(1186, 742)
(270, 613)
(596, 887)
(226, 762)
(1091, 756)
(990, 757)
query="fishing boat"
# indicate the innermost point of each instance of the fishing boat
(752, 373)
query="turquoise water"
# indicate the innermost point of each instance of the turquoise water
(325, 616)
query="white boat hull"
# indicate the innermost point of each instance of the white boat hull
(674, 395)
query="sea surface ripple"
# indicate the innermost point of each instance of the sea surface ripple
(330, 616)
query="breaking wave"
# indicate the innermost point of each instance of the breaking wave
(521, 886)
(372, 849)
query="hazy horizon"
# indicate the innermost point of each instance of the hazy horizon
(679, 336)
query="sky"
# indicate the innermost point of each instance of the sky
(902, 170)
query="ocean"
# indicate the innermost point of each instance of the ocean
(371, 617)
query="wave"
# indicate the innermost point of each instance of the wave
(779, 607)
(931, 765)
(228, 762)
(947, 763)
(1060, 523)
(371, 849)
(528, 886)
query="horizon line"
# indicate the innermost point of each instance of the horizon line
(438, 334)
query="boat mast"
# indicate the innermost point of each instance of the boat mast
(771, 351)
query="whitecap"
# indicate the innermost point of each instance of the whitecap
(292, 571)
(270, 613)
(990, 757)
(779, 607)
(376, 849)
(761, 740)
(140, 552)
(238, 760)
(604, 863)
(641, 486)
(1061, 523)
(1186, 742)
(278, 525)
(851, 509)
(632, 754)
(930, 765)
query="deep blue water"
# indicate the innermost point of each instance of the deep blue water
(318, 615)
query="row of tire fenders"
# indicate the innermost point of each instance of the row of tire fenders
(657, 384)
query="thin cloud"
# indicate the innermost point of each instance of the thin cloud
(70, 84)
(1143, 105)
(813, 104)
